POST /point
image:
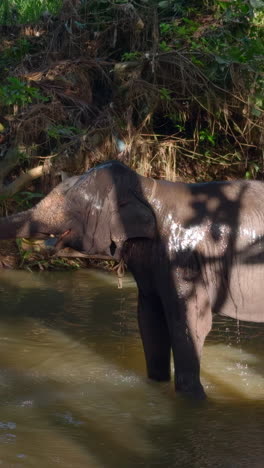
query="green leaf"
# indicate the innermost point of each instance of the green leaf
(257, 4)
(164, 4)
(247, 175)
(256, 112)
(222, 60)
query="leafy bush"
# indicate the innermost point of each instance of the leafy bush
(18, 93)
(26, 11)
(62, 132)
(190, 95)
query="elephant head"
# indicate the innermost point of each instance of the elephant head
(95, 212)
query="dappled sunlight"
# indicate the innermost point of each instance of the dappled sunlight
(73, 387)
(34, 441)
(230, 372)
(69, 383)
(148, 90)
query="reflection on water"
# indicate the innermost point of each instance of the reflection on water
(73, 387)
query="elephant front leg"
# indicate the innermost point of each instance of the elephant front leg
(189, 330)
(155, 337)
(186, 363)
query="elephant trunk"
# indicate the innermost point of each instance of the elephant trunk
(50, 216)
(17, 225)
(28, 224)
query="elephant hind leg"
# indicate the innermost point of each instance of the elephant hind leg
(155, 337)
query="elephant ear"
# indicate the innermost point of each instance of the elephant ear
(133, 219)
(116, 223)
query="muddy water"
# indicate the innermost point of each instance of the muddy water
(73, 391)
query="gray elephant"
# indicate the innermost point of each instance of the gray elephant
(194, 250)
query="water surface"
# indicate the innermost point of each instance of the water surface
(73, 391)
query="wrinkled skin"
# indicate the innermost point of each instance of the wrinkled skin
(194, 250)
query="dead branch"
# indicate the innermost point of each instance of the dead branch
(21, 182)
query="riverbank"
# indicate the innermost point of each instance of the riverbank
(174, 91)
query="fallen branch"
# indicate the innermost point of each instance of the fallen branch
(68, 252)
(23, 180)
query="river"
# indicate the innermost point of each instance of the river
(74, 391)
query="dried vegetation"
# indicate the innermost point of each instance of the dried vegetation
(133, 81)
(173, 89)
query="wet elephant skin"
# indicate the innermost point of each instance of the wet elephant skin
(194, 250)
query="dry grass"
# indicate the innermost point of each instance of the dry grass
(149, 112)
(156, 106)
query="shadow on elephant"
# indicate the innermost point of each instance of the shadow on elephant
(193, 249)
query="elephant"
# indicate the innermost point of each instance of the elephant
(194, 249)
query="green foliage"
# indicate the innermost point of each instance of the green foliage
(18, 93)
(235, 36)
(130, 56)
(252, 171)
(19, 49)
(26, 11)
(199, 79)
(35, 258)
(30, 261)
(164, 47)
(23, 157)
(207, 137)
(59, 132)
(24, 199)
(176, 32)
(10, 56)
(175, 119)
(166, 29)
(165, 94)
(178, 7)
